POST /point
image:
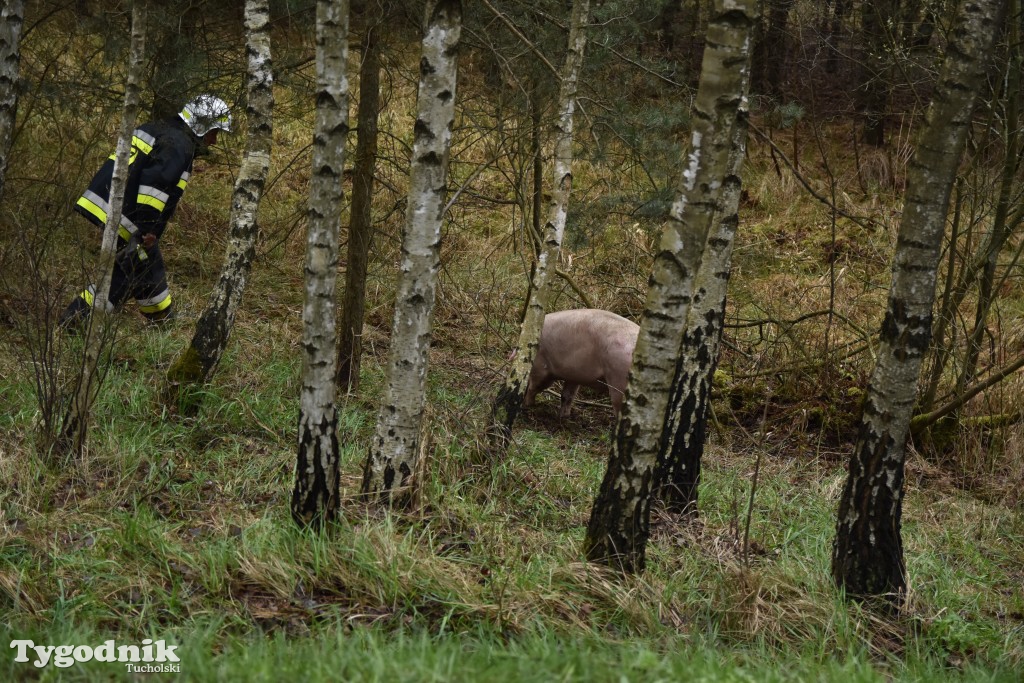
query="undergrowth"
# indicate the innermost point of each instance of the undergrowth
(176, 527)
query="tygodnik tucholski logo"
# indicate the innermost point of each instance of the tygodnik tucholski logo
(149, 657)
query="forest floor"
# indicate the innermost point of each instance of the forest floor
(177, 528)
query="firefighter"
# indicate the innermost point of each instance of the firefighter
(158, 172)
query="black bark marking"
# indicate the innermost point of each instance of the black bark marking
(430, 159)
(422, 130)
(679, 457)
(867, 558)
(447, 11)
(406, 473)
(614, 538)
(908, 334)
(315, 496)
(506, 408)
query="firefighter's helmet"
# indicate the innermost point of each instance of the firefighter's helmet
(206, 112)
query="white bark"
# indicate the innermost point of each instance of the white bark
(619, 521)
(507, 403)
(76, 424)
(213, 328)
(685, 421)
(315, 496)
(390, 465)
(868, 553)
(12, 17)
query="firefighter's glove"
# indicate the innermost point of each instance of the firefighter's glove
(136, 248)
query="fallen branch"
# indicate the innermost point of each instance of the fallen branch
(801, 367)
(925, 420)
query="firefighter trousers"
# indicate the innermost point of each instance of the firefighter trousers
(138, 274)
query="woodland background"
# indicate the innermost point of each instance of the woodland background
(177, 525)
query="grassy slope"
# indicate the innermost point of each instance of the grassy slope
(177, 528)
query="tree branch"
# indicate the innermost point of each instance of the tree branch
(519, 34)
(925, 420)
(575, 287)
(640, 66)
(865, 223)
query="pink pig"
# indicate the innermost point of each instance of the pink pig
(583, 346)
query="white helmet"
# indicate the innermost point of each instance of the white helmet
(206, 112)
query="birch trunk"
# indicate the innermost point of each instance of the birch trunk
(1005, 221)
(509, 400)
(360, 232)
(315, 496)
(12, 18)
(391, 463)
(867, 557)
(75, 427)
(196, 364)
(679, 458)
(619, 521)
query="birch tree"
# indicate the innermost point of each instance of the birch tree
(1003, 223)
(510, 398)
(360, 231)
(619, 521)
(679, 457)
(392, 461)
(75, 426)
(12, 18)
(315, 496)
(867, 557)
(196, 364)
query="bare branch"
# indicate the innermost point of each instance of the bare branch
(519, 34)
(865, 223)
(927, 419)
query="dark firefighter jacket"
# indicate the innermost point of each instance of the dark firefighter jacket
(159, 169)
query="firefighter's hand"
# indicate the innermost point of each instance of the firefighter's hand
(148, 240)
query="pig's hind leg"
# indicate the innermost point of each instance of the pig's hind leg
(617, 390)
(568, 396)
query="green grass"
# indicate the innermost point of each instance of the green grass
(342, 652)
(178, 529)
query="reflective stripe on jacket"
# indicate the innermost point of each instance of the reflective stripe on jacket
(160, 166)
